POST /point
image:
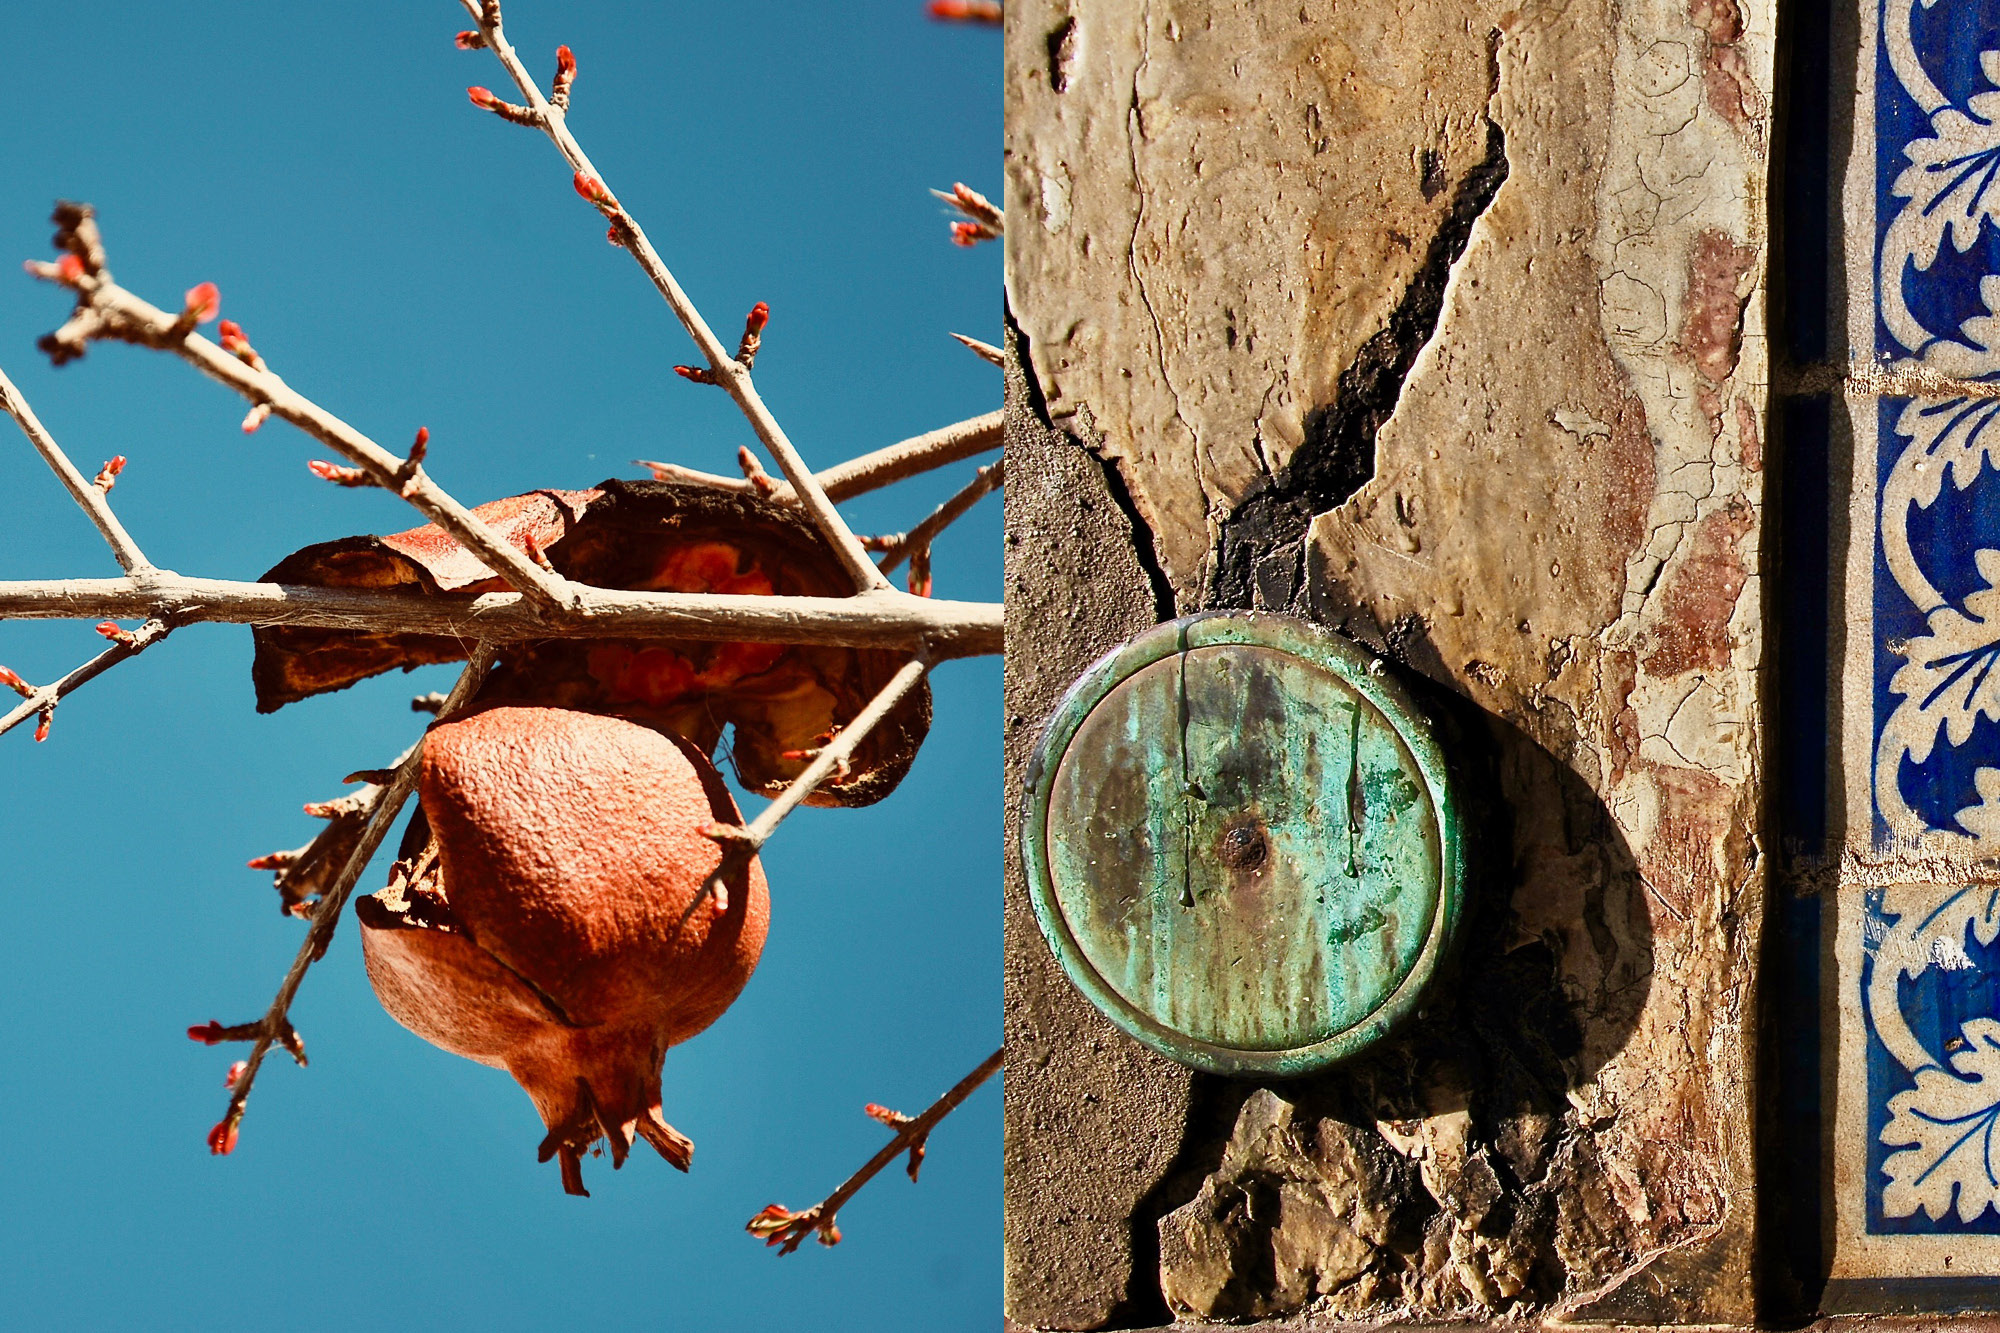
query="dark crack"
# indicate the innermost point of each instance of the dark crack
(1165, 604)
(1260, 553)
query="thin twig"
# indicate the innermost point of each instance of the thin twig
(779, 1226)
(276, 1025)
(302, 875)
(888, 619)
(730, 373)
(43, 701)
(985, 481)
(130, 557)
(129, 318)
(986, 352)
(872, 471)
(740, 842)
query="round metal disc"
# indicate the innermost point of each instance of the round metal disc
(1242, 844)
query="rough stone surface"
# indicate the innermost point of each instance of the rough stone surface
(1469, 298)
(1092, 1118)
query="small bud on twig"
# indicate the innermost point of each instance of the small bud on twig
(753, 334)
(469, 40)
(611, 235)
(202, 303)
(109, 629)
(897, 1120)
(338, 475)
(210, 1033)
(565, 77)
(107, 476)
(986, 12)
(42, 726)
(235, 1072)
(256, 418)
(230, 334)
(12, 680)
(484, 99)
(753, 471)
(272, 860)
(699, 374)
(593, 189)
(222, 1139)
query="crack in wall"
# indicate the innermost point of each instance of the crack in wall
(1337, 456)
(1165, 604)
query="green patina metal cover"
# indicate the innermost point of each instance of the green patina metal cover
(1242, 843)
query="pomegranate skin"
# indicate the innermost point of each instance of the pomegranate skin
(545, 927)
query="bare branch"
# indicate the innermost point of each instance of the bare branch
(778, 1225)
(730, 373)
(42, 702)
(888, 619)
(836, 752)
(986, 352)
(985, 221)
(869, 472)
(121, 315)
(304, 875)
(988, 479)
(741, 842)
(91, 498)
(275, 1026)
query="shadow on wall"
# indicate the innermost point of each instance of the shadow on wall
(1448, 1171)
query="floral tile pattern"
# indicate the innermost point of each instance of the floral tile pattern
(1920, 939)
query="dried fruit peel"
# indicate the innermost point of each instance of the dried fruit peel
(782, 700)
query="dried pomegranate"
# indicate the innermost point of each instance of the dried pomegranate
(782, 700)
(540, 919)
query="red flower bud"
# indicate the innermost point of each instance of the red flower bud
(208, 1034)
(469, 41)
(482, 97)
(274, 861)
(230, 334)
(967, 233)
(235, 1072)
(203, 301)
(42, 727)
(565, 63)
(611, 235)
(222, 1139)
(964, 11)
(69, 268)
(107, 476)
(593, 189)
(12, 680)
(699, 374)
(893, 1119)
(760, 315)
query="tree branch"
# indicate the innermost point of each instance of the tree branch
(985, 481)
(730, 373)
(858, 476)
(90, 497)
(43, 701)
(887, 619)
(128, 318)
(275, 1025)
(780, 1226)
(740, 842)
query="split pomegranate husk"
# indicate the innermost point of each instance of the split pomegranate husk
(548, 916)
(782, 700)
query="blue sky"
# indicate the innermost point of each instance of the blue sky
(407, 260)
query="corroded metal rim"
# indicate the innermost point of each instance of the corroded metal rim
(1364, 674)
